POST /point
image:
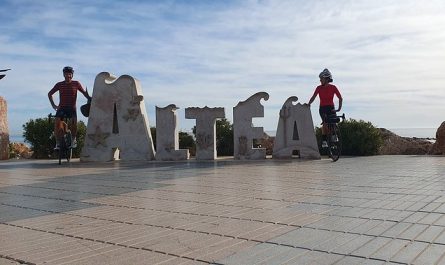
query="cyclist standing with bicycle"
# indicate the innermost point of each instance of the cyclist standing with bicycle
(326, 92)
(67, 104)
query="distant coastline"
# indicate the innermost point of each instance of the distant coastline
(404, 132)
(415, 132)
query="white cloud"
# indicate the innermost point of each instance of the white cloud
(387, 59)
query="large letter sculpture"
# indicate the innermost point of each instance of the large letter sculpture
(205, 130)
(295, 131)
(167, 139)
(118, 123)
(243, 132)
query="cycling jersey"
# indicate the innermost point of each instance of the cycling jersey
(67, 93)
(326, 94)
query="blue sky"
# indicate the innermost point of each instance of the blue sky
(387, 57)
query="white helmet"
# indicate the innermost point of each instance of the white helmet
(326, 74)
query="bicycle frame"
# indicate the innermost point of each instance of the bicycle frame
(65, 140)
(333, 135)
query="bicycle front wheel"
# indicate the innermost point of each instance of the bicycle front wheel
(61, 151)
(334, 143)
(68, 148)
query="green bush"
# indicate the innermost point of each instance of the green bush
(39, 134)
(359, 138)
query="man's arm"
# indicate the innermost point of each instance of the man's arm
(84, 92)
(50, 97)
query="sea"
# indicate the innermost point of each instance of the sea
(404, 132)
(415, 132)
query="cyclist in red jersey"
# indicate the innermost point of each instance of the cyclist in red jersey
(326, 92)
(67, 103)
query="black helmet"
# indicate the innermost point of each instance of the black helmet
(68, 69)
(326, 74)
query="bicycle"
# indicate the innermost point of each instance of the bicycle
(333, 135)
(65, 143)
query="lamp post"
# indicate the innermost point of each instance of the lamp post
(3, 75)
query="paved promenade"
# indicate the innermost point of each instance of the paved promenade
(366, 210)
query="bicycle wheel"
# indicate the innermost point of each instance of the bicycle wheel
(68, 148)
(62, 149)
(334, 143)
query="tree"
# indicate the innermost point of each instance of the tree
(39, 134)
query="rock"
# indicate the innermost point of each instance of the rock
(20, 150)
(4, 132)
(439, 146)
(394, 144)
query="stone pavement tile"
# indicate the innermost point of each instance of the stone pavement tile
(157, 235)
(440, 209)
(215, 246)
(431, 218)
(180, 261)
(314, 257)
(409, 253)
(417, 206)
(381, 228)
(119, 256)
(179, 243)
(266, 232)
(4, 261)
(390, 249)
(430, 233)
(69, 252)
(413, 231)
(282, 255)
(338, 223)
(441, 220)
(415, 217)
(227, 249)
(20, 240)
(53, 244)
(348, 260)
(331, 243)
(368, 249)
(440, 239)
(396, 230)
(305, 237)
(366, 226)
(303, 220)
(431, 255)
(253, 255)
(352, 245)
(278, 230)
(431, 207)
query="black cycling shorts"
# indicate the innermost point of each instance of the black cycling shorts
(66, 113)
(325, 111)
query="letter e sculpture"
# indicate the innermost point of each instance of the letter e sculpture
(243, 132)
